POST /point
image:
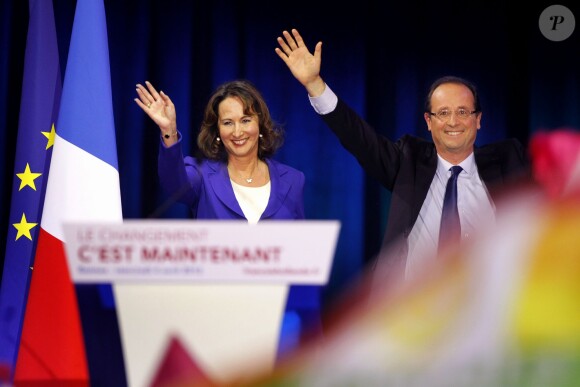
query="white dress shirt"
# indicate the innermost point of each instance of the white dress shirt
(476, 211)
(252, 200)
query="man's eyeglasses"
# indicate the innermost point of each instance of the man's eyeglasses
(445, 115)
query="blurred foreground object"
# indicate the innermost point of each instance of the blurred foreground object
(503, 311)
(556, 161)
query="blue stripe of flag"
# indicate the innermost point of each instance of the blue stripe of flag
(87, 102)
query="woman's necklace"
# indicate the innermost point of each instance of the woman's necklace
(249, 179)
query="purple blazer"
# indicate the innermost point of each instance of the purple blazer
(204, 186)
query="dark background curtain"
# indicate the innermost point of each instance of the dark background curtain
(380, 57)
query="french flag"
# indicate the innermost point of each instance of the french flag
(83, 186)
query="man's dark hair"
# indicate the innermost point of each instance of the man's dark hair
(456, 80)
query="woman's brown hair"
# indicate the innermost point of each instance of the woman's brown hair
(272, 135)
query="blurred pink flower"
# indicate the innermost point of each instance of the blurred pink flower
(556, 161)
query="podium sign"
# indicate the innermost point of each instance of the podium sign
(297, 252)
(219, 286)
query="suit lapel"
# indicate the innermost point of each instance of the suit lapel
(279, 187)
(219, 179)
(488, 167)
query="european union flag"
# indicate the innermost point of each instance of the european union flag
(39, 106)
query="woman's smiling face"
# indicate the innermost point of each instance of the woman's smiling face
(238, 131)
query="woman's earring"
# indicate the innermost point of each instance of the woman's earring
(218, 139)
(261, 135)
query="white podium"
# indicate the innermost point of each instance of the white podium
(219, 286)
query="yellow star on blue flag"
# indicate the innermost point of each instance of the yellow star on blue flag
(50, 136)
(24, 227)
(27, 178)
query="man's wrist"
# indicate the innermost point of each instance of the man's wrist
(316, 88)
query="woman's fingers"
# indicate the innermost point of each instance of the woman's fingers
(144, 95)
(165, 98)
(152, 91)
(142, 105)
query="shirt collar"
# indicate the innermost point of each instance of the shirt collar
(468, 165)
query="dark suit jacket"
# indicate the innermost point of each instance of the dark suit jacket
(407, 167)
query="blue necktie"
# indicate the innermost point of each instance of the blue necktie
(450, 230)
